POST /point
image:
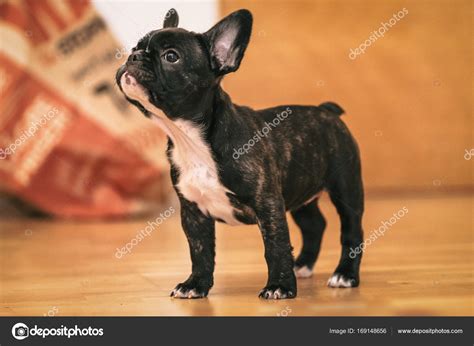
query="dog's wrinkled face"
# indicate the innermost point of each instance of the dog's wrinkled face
(180, 69)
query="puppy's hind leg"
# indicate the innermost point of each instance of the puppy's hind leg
(347, 194)
(311, 222)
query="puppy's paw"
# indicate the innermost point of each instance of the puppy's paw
(303, 271)
(276, 292)
(338, 280)
(188, 291)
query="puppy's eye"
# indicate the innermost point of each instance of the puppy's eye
(171, 56)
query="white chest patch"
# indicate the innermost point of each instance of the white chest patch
(198, 176)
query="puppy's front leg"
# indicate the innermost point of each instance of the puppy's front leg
(281, 282)
(200, 232)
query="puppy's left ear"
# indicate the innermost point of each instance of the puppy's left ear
(171, 19)
(227, 41)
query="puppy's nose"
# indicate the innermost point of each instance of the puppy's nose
(136, 56)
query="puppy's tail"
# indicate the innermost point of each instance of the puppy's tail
(331, 108)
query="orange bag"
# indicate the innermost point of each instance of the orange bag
(69, 142)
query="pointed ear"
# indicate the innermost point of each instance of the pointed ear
(227, 41)
(171, 19)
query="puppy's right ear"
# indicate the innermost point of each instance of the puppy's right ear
(171, 19)
(227, 41)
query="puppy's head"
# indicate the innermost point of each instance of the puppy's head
(178, 70)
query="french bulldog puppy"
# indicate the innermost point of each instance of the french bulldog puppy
(232, 164)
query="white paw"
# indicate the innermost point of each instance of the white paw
(338, 280)
(269, 293)
(186, 294)
(303, 272)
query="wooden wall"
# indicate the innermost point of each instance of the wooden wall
(408, 98)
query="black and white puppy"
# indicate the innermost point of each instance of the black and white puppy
(232, 164)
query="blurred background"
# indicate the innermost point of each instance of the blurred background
(408, 98)
(84, 173)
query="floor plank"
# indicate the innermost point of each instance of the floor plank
(422, 265)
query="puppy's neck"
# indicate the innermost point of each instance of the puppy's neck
(210, 112)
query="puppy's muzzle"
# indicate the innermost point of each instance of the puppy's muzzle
(133, 89)
(140, 66)
(136, 56)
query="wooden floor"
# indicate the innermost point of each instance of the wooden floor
(423, 265)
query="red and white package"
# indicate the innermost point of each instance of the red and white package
(69, 142)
